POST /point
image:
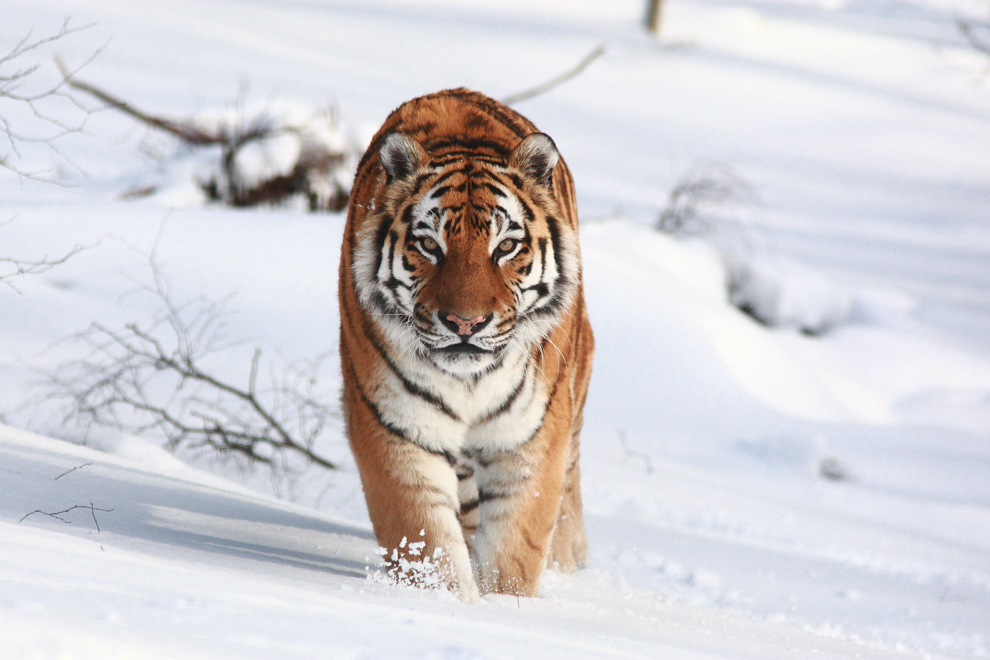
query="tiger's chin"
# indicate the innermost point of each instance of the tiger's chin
(465, 359)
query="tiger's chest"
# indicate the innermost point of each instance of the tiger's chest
(498, 411)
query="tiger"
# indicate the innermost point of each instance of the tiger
(466, 346)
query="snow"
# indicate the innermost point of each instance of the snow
(751, 490)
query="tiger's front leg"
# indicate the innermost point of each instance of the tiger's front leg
(413, 504)
(519, 493)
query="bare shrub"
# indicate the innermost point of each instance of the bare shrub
(704, 187)
(774, 292)
(267, 153)
(36, 114)
(151, 379)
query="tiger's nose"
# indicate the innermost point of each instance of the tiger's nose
(461, 326)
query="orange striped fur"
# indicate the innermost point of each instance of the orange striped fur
(466, 346)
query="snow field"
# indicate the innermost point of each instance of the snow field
(749, 491)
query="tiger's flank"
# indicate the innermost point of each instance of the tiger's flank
(465, 346)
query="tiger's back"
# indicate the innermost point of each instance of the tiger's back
(465, 344)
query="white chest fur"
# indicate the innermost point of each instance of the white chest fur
(447, 414)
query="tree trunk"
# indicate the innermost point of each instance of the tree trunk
(653, 16)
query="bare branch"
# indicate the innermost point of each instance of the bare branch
(150, 379)
(12, 267)
(183, 131)
(704, 185)
(556, 80)
(43, 126)
(78, 467)
(58, 514)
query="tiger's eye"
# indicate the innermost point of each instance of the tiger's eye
(430, 244)
(506, 245)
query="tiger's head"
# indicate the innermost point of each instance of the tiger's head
(466, 254)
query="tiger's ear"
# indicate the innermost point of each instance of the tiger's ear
(536, 156)
(400, 156)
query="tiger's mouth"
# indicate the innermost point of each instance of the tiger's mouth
(462, 348)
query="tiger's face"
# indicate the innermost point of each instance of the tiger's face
(464, 258)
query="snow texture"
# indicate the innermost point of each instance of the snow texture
(818, 488)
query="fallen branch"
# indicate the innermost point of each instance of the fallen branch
(314, 174)
(183, 131)
(57, 515)
(78, 467)
(556, 80)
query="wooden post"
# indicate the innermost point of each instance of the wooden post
(653, 16)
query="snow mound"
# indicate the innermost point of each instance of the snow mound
(783, 293)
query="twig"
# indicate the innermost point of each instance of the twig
(631, 453)
(78, 467)
(57, 515)
(21, 267)
(556, 80)
(48, 129)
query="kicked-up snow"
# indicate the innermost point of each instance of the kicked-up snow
(813, 484)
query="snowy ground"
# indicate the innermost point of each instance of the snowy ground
(863, 130)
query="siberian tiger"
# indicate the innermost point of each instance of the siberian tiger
(465, 344)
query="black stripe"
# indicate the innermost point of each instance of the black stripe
(425, 395)
(468, 507)
(543, 257)
(546, 408)
(422, 178)
(395, 430)
(503, 115)
(555, 239)
(552, 305)
(469, 145)
(413, 388)
(505, 405)
(446, 176)
(495, 190)
(541, 287)
(409, 386)
(380, 237)
(488, 496)
(393, 283)
(459, 156)
(527, 211)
